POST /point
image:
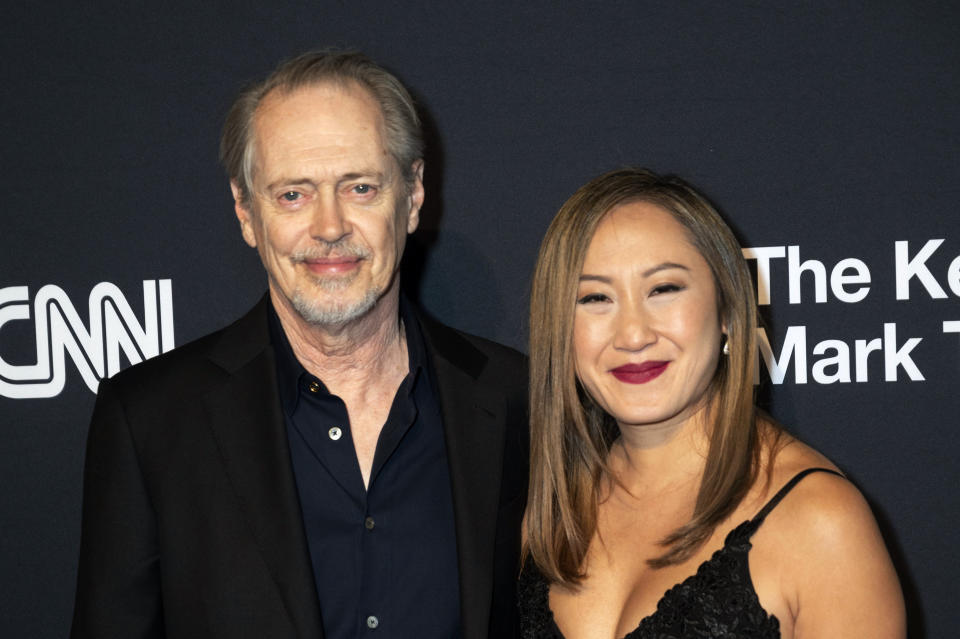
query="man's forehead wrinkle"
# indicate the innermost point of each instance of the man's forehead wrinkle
(304, 153)
(324, 163)
(336, 95)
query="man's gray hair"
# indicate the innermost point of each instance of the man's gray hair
(404, 136)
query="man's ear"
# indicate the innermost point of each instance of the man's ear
(415, 198)
(244, 214)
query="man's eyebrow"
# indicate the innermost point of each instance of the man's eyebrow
(603, 279)
(354, 175)
(290, 182)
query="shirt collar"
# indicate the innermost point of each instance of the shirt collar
(291, 373)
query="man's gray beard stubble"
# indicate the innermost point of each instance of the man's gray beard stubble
(315, 312)
(336, 313)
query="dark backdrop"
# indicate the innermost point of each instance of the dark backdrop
(831, 127)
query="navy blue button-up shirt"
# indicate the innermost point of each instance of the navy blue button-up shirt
(384, 558)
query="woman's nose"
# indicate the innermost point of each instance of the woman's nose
(634, 330)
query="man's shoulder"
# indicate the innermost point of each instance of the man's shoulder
(490, 347)
(188, 368)
(479, 356)
(452, 340)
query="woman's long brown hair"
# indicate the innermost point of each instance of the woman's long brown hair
(571, 436)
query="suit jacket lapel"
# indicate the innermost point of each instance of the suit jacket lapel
(247, 423)
(474, 422)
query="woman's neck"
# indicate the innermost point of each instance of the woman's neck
(654, 458)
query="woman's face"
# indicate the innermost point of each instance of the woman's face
(646, 333)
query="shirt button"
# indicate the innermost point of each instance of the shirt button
(372, 622)
(369, 523)
(314, 386)
(335, 433)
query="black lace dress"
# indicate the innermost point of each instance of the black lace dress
(717, 602)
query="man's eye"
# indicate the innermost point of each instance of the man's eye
(362, 189)
(291, 196)
(593, 298)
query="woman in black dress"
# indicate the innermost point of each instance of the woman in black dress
(662, 504)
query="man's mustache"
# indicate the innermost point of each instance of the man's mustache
(329, 249)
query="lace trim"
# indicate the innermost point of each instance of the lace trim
(718, 601)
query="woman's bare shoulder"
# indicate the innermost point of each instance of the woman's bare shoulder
(840, 581)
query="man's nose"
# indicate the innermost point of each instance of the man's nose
(328, 222)
(634, 329)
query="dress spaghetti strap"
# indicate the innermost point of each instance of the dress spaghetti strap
(760, 516)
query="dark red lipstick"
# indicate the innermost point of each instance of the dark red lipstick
(640, 373)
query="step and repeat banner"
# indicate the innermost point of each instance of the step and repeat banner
(827, 133)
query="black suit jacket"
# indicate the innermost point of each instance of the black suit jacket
(191, 517)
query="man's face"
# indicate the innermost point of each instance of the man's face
(328, 209)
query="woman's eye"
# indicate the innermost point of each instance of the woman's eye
(291, 196)
(666, 288)
(593, 298)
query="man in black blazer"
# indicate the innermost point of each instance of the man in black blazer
(332, 464)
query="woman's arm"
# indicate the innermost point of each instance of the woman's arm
(839, 579)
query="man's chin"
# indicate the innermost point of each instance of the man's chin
(333, 314)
